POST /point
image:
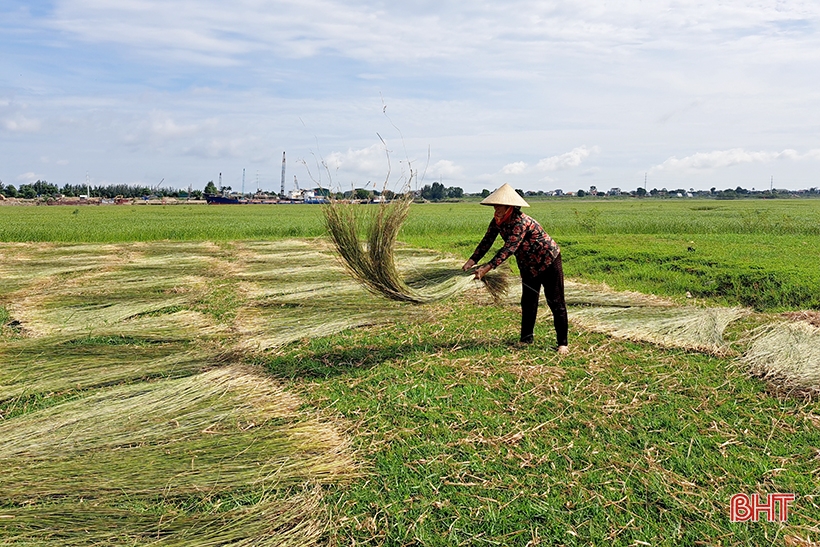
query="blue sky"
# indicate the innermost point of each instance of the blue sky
(542, 95)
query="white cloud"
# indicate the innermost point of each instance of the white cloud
(163, 126)
(21, 124)
(719, 159)
(516, 168)
(215, 33)
(28, 178)
(365, 161)
(568, 160)
(446, 169)
(217, 148)
(130, 87)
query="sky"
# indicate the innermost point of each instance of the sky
(540, 95)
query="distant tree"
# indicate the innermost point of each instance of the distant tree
(485, 193)
(40, 188)
(10, 191)
(27, 191)
(455, 192)
(210, 188)
(581, 193)
(436, 192)
(519, 192)
(389, 194)
(653, 192)
(641, 191)
(362, 193)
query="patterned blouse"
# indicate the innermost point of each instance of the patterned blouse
(523, 237)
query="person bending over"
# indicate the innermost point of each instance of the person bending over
(538, 257)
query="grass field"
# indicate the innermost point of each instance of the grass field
(756, 253)
(199, 377)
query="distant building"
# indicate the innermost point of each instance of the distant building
(614, 192)
(593, 190)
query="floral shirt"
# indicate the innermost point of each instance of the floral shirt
(523, 237)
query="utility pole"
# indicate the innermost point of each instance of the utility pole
(87, 185)
(243, 182)
(282, 189)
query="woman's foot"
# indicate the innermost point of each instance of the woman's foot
(563, 350)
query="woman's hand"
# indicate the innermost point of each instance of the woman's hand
(468, 265)
(482, 271)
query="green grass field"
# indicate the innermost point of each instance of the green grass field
(198, 377)
(757, 253)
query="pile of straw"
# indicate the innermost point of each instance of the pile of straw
(372, 261)
(226, 452)
(787, 355)
(687, 327)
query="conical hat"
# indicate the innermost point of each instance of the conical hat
(506, 195)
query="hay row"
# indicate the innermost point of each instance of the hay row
(58, 369)
(113, 417)
(93, 470)
(292, 521)
(686, 327)
(787, 354)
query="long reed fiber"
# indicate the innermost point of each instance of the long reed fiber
(219, 458)
(372, 261)
(787, 354)
(693, 328)
(291, 521)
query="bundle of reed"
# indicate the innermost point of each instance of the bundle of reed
(600, 294)
(295, 521)
(218, 458)
(688, 327)
(372, 261)
(787, 355)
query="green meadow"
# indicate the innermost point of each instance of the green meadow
(200, 375)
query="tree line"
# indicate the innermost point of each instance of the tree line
(43, 188)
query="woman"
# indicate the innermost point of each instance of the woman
(538, 257)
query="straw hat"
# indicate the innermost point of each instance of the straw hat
(505, 195)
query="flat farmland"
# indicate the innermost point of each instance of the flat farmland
(757, 253)
(206, 375)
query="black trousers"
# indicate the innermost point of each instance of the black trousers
(553, 282)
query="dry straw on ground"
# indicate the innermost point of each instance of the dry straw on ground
(221, 435)
(686, 327)
(372, 261)
(787, 355)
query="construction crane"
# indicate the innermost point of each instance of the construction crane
(282, 189)
(295, 182)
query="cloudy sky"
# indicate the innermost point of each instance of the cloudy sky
(543, 95)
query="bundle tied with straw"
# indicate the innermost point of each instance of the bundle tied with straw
(372, 261)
